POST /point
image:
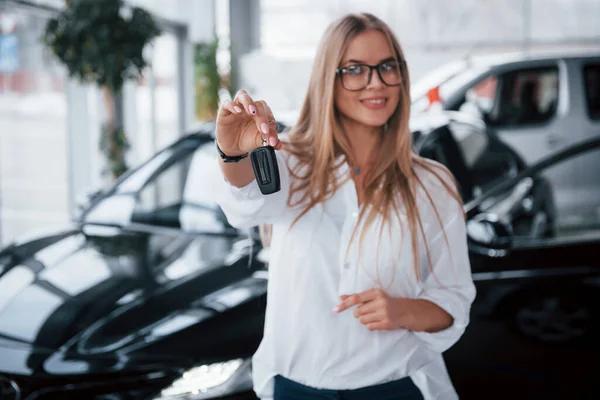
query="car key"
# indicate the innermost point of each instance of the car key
(266, 170)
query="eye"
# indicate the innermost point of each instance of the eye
(353, 70)
(389, 66)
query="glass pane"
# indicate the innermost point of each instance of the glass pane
(563, 200)
(480, 99)
(164, 64)
(160, 200)
(155, 99)
(487, 159)
(179, 195)
(592, 90)
(576, 188)
(526, 97)
(33, 129)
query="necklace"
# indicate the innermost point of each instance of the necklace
(357, 171)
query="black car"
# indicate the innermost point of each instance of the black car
(536, 318)
(479, 160)
(152, 294)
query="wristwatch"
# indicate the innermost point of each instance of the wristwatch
(229, 159)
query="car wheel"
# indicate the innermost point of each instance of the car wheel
(557, 317)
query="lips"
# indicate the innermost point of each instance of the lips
(374, 103)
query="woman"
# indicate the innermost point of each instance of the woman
(369, 277)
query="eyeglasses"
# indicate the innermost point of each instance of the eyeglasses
(358, 76)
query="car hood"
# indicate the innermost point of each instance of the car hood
(74, 304)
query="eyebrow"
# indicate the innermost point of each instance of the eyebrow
(363, 62)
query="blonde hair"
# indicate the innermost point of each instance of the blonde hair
(318, 140)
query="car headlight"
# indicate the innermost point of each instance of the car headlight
(211, 381)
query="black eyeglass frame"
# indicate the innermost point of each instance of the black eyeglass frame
(400, 63)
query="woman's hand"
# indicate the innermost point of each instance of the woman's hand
(379, 311)
(242, 123)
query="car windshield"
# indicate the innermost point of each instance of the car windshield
(171, 190)
(448, 80)
(436, 78)
(138, 178)
(179, 195)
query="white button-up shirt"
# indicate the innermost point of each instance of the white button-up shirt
(311, 266)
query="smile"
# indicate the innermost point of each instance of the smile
(374, 103)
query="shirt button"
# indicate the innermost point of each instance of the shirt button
(347, 265)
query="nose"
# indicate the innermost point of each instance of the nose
(376, 81)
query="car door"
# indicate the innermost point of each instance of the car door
(558, 275)
(529, 107)
(524, 102)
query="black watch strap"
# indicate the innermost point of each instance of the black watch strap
(227, 158)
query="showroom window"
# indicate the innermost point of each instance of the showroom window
(34, 178)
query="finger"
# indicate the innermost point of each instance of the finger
(225, 109)
(262, 122)
(355, 299)
(371, 318)
(231, 107)
(378, 326)
(366, 308)
(246, 101)
(273, 137)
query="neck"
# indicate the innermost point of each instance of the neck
(363, 141)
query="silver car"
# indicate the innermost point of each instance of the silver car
(538, 104)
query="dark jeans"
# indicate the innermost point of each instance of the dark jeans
(402, 389)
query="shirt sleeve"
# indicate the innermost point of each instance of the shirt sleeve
(247, 207)
(447, 280)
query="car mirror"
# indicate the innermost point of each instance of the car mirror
(84, 199)
(489, 235)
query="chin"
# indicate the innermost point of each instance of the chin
(373, 121)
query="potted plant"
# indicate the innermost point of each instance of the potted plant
(209, 82)
(102, 42)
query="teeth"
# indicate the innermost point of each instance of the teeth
(378, 101)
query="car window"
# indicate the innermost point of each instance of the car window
(159, 201)
(576, 190)
(523, 97)
(443, 147)
(479, 99)
(592, 90)
(487, 159)
(567, 208)
(472, 141)
(138, 178)
(178, 196)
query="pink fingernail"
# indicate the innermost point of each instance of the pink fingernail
(253, 111)
(273, 141)
(264, 127)
(237, 109)
(336, 309)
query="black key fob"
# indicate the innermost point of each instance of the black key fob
(266, 171)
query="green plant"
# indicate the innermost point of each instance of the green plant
(102, 42)
(208, 80)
